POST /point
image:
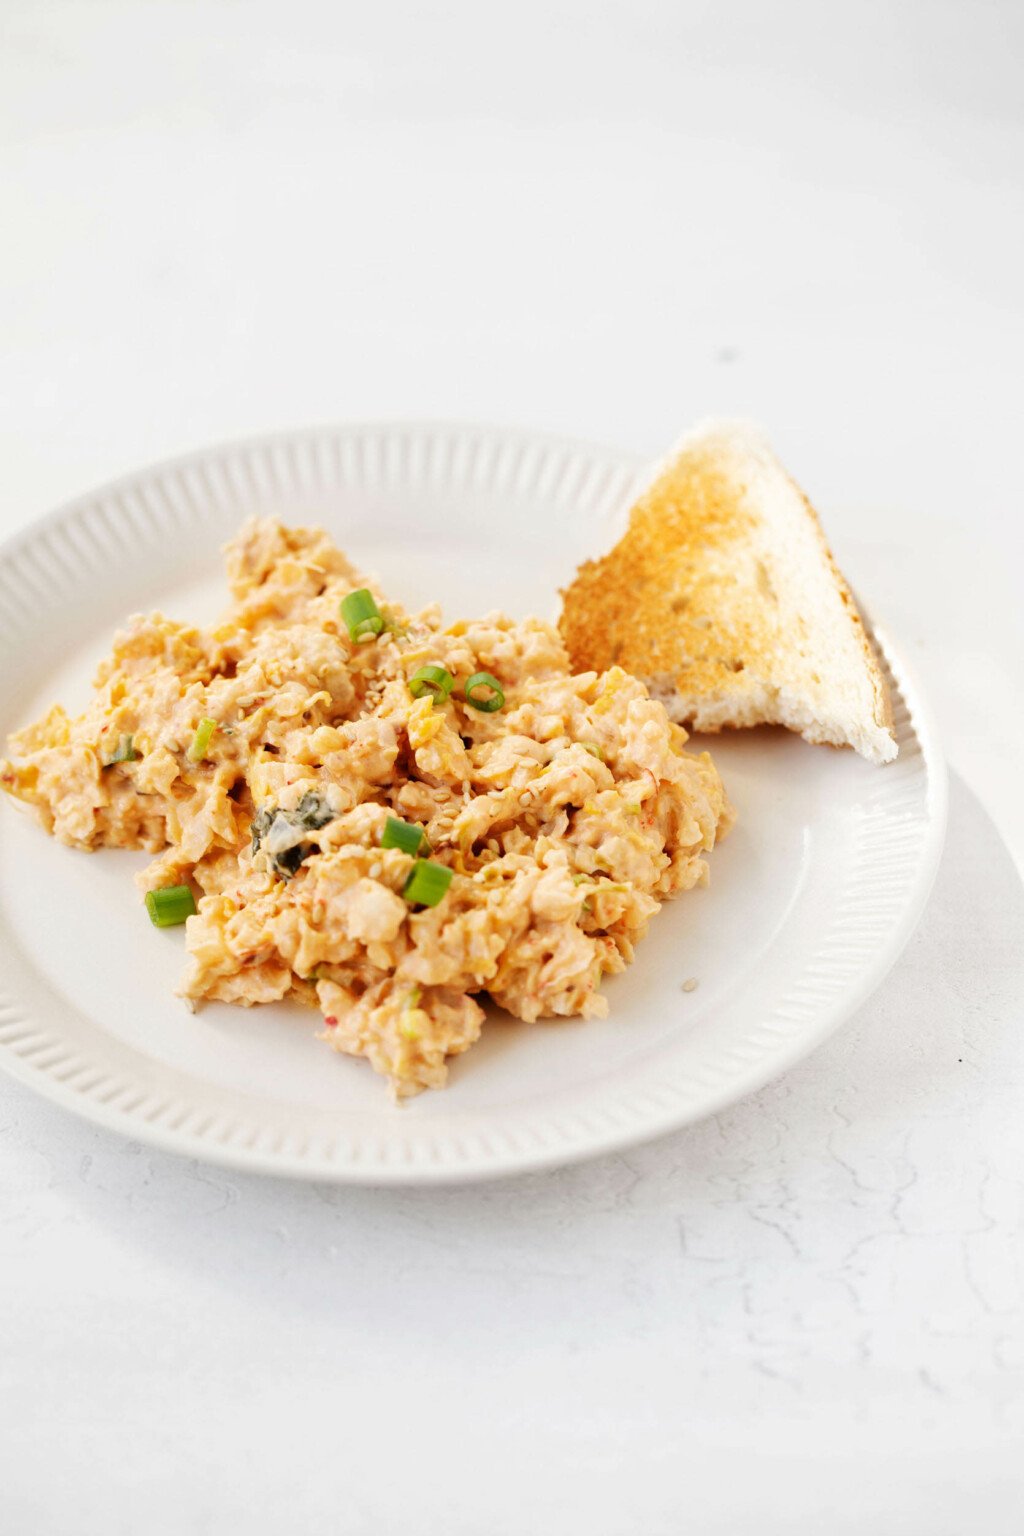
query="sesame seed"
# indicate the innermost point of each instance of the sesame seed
(691, 984)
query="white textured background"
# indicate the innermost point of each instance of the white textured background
(806, 1315)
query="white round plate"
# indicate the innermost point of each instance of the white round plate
(811, 897)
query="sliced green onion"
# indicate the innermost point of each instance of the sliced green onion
(201, 740)
(594, 750)
(362, 616)
(489, 701)
(124, 752)
(428, 883)
(402, 834)
(171, 906)
(392, 626)
(431, 679)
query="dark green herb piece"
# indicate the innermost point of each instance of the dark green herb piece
(280, 834)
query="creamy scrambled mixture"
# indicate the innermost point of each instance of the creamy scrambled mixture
(264, 760)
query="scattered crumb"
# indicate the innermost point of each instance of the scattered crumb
(691, 984)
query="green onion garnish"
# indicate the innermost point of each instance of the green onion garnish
(201, 740)
(491, 699)
(431, 679)
(362, 616)
(594, 750)
(124, 752)
(427, 883)
(402, 834)
(171, 906)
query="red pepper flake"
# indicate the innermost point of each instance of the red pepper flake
(330, 1020)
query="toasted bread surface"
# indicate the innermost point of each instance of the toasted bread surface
(724, 598)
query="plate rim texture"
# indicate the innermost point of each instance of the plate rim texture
(865, 938)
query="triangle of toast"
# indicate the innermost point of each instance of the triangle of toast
(724, 598)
